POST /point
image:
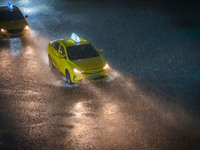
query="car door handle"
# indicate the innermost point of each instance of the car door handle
(55, 54)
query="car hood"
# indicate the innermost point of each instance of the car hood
(90, 63)
(17, 24)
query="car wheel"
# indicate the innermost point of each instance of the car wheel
(50, 63)
(68, 78)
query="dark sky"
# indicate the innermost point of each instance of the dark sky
(165, 5)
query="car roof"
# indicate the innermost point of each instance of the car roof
(69, 42)
(5, 8)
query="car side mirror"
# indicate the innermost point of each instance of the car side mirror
(26, 16)
(100, 50)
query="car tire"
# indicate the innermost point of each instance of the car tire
(67, 77)
(50, 63)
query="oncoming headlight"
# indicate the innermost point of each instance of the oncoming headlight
(105, 67)
(26, 27)
(3, 30)
(77, 71)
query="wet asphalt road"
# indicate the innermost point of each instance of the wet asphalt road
(151, 100)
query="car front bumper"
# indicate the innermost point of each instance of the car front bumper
(90, 77)
(15, 34)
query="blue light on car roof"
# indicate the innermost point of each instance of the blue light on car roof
(10, 6)
(75, 38)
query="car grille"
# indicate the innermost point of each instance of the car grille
(100, 77)
(15, 31)
(92, 72)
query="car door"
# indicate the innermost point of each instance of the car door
(55, 54)
(62, 59)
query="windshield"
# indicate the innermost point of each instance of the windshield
(81, 52)
(11, 15)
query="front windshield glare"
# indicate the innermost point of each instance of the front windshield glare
(81, 52)
(11, 15)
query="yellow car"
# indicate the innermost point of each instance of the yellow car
(77, 60)
(12, 23)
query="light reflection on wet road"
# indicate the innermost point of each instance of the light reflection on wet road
(40, 111)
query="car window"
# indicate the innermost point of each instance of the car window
(62, 50)
(56, 45)
(11, 15)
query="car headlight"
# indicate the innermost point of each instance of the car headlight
(105, 67)
(3, 30)
(26, 27)
(77, 71)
